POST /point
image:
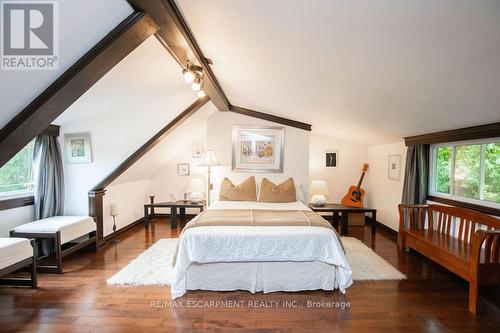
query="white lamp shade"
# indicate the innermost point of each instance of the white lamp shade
(318, 187)
(196, 185)
(113, 209)
(209, 158)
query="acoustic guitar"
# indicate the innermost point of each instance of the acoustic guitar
(356, 194)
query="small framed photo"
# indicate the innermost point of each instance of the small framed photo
(78, 149)
(183, 169)
(394, 167)
(197, 151)
(332, 158)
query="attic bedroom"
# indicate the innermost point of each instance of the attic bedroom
(250, 165)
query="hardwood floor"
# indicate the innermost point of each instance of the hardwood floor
(431, 299)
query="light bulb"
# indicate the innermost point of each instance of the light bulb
(196, 84)
(200, 93)
(188, 75)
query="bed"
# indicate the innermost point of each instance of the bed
(259, 258)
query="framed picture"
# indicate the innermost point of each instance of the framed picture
(394, 167)
(197, 151)
(258, 149)
(331, 158)
(78, 149)
(183, 169)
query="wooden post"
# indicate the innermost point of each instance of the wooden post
(96, 210)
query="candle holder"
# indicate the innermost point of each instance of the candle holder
(113, 212)
(115, 239)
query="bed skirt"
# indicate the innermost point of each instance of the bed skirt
(262, 276)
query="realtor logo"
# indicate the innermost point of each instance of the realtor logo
(30, 35)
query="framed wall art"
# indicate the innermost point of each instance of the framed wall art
(258, 149)
(331, 158)
(394, 167)
(77, 147)
(183, 169)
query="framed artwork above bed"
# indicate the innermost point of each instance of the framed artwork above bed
(258, 149)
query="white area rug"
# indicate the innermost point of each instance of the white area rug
(152, 267)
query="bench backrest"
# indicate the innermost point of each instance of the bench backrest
(459, 222)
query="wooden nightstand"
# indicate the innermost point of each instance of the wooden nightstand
(337, 209)
(173, 205)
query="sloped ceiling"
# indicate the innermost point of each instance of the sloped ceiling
(180, 140)
(367, 71)
(81, 25)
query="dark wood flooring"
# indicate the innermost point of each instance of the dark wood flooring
(430, 300)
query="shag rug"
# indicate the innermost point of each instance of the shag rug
(149, 268)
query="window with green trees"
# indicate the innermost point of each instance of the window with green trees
(464, 170)
(17, 174)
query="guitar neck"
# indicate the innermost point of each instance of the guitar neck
(360, 181)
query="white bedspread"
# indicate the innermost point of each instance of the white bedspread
(227, 244)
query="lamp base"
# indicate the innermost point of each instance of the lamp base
(195, 197)
(318, 200)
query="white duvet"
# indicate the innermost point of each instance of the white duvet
(232, 244)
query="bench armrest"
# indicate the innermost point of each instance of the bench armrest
(490, 250)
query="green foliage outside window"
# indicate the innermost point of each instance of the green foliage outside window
(17, 174)
(473, 176)
(492, 172)
(467, 163)
(443, 169)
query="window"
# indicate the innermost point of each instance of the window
(16, 176)
(467, 171)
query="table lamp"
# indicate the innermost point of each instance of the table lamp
(209, 159)
(318, 190)
(196, 189)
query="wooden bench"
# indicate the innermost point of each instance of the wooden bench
(464, 241)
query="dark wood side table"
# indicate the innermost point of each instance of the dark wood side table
(173, 205)
(337, 209)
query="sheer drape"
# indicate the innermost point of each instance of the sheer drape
(416, 177)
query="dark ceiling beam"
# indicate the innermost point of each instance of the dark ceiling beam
(270, 117)
(462, 134)
(175, 36)
(151, 143)
(74, 82)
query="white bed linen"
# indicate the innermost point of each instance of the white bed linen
(230, 244)
(71, 227)
(14, 250)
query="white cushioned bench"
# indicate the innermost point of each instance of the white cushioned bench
(17, 253)
(62, 230)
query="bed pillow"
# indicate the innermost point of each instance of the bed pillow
(245, 191)
(284, 192)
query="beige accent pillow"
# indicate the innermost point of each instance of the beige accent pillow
(246, 191)
(284, 192)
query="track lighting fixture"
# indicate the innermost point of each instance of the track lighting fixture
(192, 74)
(188, 75)
(196, 84)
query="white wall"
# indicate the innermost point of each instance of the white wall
(350, 159)
(219, 138)
(130, 198)
(13, 217)
(130, 104)
(385, 194)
